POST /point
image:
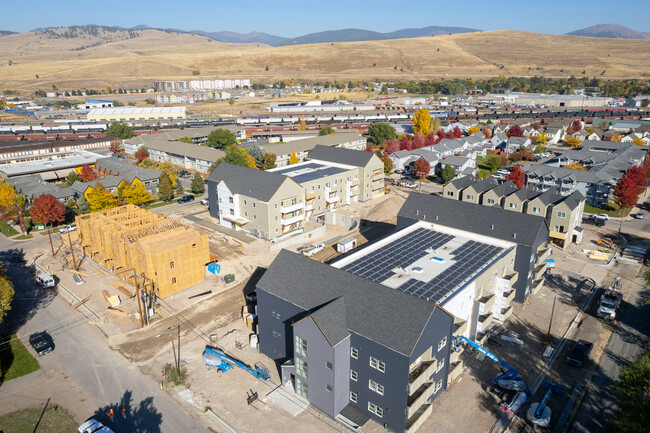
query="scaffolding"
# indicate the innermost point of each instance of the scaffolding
(170, 255)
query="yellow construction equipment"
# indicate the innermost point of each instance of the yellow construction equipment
(605, 242)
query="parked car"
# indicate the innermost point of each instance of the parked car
(409, 184)
(205, 201)
(503, 172)
(93, 426)
(40, 341)
(638, 215)
(601, 216)
(46, 281)
(580, 353)
(186, 198)
(67, 229)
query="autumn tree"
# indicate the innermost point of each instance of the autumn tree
(147, 163)
(268, 161)
(447, 173)
(187, 140)
(141, 154)
(302, 125)
(575, 166)
(486, 132)
(646, 166)
(328, 130)
(165, 188)
(369, 148)
(422, 122)
(573, 142)
(541, 138)
(378, 132)
(515, 131)
(405, 143)
(258, 155)
(87, 174)
(46, 209)
(473, 130)
(388, 164)
(457, 132)
(6, 296)
(615, 138)
(638, 176)
(100, 198)
(517, 176)
(136, 194)
(234, 155)
(72, 177)
(167, 168)
(639, 142)
(418, 141)
(390, 147)
(250, 162)
(116, 148)
(435, 125)
(576, 126)
(293, 159)
(12, 205)
(483, 173)
(626, 193)
(198, 184)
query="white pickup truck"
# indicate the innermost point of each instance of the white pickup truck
(610, 301)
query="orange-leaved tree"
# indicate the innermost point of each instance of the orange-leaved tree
(87, 174)
(517, 176)
(46, 209)
(575, 166)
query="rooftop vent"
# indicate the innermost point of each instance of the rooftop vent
(492, 226)
(514, 235)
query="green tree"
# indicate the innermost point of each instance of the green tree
(422, 122)
(147, 163)
(328, 130)
(198, 185)
(120, 130)
(221, 138)
(388, 165)
(83, 206)
(196, 72)
(378, 132)
(179, 188)
(435, 125)
(258, 155)
(493, 163)
(186, 140)
(645, 102)
(6, 295)
(633, 388)
(100, 198)
(165, 188)
(447, 173)
(72, 177)
(168, 169)
(268, 161)
(483, 173)
(234, 155)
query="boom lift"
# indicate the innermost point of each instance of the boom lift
(213, 357)
(539, 413)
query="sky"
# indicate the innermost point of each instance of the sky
(292, 18)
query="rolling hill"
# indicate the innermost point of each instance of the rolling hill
(129, 58)
(610, 31)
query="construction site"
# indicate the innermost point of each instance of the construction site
(160, 255)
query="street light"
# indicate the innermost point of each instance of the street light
(177, 359)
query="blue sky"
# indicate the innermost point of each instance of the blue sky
(291, 18)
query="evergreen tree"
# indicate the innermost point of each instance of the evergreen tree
(198, 185)
(165, 188)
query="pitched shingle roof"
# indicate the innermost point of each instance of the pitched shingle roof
(258, 184)
(357, 158)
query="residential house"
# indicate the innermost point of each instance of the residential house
(474, 192)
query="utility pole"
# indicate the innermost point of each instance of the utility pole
(137, 294)
(74, 262)
(178, 365)
(548, 334)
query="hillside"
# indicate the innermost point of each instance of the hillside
(154, 55)
(610, 31)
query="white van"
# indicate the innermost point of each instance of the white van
(45, 280)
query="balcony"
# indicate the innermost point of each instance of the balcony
(292, 208)
(506, 313)
(354, 191)
(460, 327)
(419, 398)
(455, 354)
(292, 220)
(537, 285)
(510, 296)
(455, 370)
(510, 278)
(543, 254)
(415, 422)
(332, 199)
(486, 303)
(539, 271)
(309, 207)
(484, 320)
(420, 375)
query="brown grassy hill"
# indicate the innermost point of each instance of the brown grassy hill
(127, 60)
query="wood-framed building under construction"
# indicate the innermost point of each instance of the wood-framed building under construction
(165, 255)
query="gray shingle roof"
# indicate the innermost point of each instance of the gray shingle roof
(490, 221)
(127, 170)
(463, 182)
(504, 189)
(307, 144)
(258, 184)
(357, 158)
(195, 151)
(381, 314)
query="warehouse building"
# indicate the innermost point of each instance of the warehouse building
(370, 336)
(51, 167)
(137, 114)
(167, 256)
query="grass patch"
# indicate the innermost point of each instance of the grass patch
(612, 210)
(17, 361)
(7, 230)
(173, 376)
(55, 420)
(23, 237)
(158, 204)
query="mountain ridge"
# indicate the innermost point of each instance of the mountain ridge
(613, 31)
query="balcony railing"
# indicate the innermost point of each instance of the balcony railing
(292, 208)
(484, 321)
(506, 313)
(421, 374)
(486, 303)
(420, 397)
(539, 271)
(292, 220)
(510, 296)
(415, 422)
(543, 255)
(460, 327)
(537, 285)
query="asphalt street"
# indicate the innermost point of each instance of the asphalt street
(102, 378)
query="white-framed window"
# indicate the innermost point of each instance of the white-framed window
(354, 352)
(230, 200)
(328, 387)
(353, 397)
(490, 201)
(377, 387)
(441, 364)
(302, 388)
(377, 364)
(438, 386)
(244, 202)
(556, 228)
(301, 346)
(469, 197)
(442, 343)
(512, 205)
(301, 368)
(232, 212)
(328, 365)
(561, 214)
(536, 210)
(354, 375)
(373, 408)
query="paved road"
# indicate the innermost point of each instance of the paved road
(102, 378)
(629, 338)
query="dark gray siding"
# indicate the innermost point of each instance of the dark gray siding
(274, 318)
(213, 201)
(394, 380)
(523, 266)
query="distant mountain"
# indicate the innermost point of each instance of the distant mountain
(353, 35)
(241, 38)
(610, 31)
(6, 32)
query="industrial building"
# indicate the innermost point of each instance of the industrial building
(137, 114)
(51, 166)
(165, 255)
(370, 336)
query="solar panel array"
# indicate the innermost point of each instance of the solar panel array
(468, 259)
(317, 174)
(377, 265)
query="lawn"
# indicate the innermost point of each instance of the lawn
(611, 210)
(55, 420)
(7, 230)
(16, 362)
(23, 237)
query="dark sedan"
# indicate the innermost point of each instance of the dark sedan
(186, 198)
(579, 354)
(41, 343)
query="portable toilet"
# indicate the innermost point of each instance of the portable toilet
(346, 245)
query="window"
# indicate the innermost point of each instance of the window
(302, 388)
(441, 364)
(328, 387)
(450, 193)
(469, 197)
(438, 386)
(442, 343)
(301, 368)
(512, 205)
(232, 212)
(301, 346)
(245, 214)
(171, 265)
(276, 218)
(276, 205)
(536, 209)
(328, 365)
(561, 214)
(378, 388)
(174, 280)
(490, 201)
(353, 397)
(373, 408)
(254, 217)
(244, 201)
(377, 364)
(354, 353)
(230, 200)
(556, 228)
(354, 375)
(253, 204)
